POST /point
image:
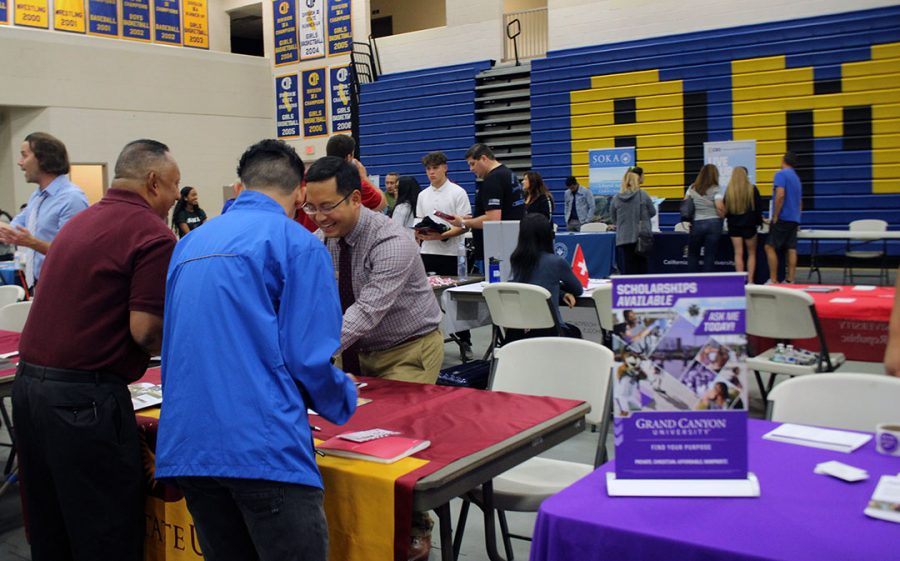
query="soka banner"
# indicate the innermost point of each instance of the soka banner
(33, 13)
(103, 18)
(680, 376)
(136, 20)
(285, 21)
(312, 29)
(315, 103)
(68, 15)
(727, 155)
(288, 109)
(341, 110)
(607, 167)
(167, 22)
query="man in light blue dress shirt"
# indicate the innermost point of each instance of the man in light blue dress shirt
(45, 161)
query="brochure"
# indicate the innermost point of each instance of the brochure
(386, 450)
(144, 395)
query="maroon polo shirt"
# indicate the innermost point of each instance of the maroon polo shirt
(105, 262)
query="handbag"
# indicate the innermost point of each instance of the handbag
(687, 209)
(645, 234)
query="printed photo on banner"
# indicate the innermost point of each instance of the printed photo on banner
(4, 12)
(136, 20)
(287, 108)
(341, 110)
(167, 22)
(606, 167)
(287, 49)
(315, 103)
(32, 13)
(312, 29)
(196, 24)
(68, 15)
(103, 18)
(680, 392)
(727, 155)
(340, 34)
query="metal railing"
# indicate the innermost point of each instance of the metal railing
(526, 34)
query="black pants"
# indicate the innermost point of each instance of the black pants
(630, 262)
(445, 265)
(80, 465)
(252, 519)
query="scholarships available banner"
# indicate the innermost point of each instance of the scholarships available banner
(727, 155)
(4, 12)
(136, 20)
(607, 167)
(32, 13)
(680, 376)
(196, 24)
(285, 21)
(315, 103)
(341, 110)
(68, 15)
(287, 107)
(340, 35)
(167, 22)
(103, 18)
(312, 29)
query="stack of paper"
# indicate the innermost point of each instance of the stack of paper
(885, 502)
(829, 439)
(386, 450)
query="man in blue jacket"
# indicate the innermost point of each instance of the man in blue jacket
(579, 209)
(252, 320)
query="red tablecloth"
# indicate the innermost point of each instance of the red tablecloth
(9, 341)
(855, 322)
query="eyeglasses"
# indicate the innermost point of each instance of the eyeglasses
(324, 209)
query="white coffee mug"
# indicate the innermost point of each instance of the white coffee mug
(887, 439)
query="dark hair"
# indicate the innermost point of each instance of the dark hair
(180, 205)
(478, 150)
(408, 191)
(708, 177)
(394, 173)
(434, 159)
(571, 181)
(723, 387)
(537, 187)
(535, 238)
(638, 170)
(138, 158)
(271, 164)
(340, 145)
(50, 153)
(790, 159)
(344, 173)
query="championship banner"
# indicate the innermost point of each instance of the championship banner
(285, 22)
(196, 24)
(167, 22)
(287, 108)
(68, 15)
(680, 376)
(730, 154)
(341, 110)
(33, 13)
(4, 12)
(136, 20)
(340, 36)
(315, 119)
(103, 18)
(312, 29)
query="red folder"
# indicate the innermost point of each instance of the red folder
(385, 450)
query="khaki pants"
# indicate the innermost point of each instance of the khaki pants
(418, 360)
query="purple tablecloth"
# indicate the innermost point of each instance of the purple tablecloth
(799, 515)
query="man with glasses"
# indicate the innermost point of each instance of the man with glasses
(391, 316)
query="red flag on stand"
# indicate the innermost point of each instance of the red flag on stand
(579, 266)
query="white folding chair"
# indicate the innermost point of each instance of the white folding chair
(10, 294)
(13, 316)
(784, 314)
(547, 366)
(841, 401)
(594, 227)
(515, 305)
(602, 296)
(877, 256)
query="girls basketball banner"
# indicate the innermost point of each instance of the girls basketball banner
(312, 29)
(287, 49)
(680, 376)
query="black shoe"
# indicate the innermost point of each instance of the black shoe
(465, 351)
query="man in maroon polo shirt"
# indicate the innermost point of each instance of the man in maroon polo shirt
(90, 332)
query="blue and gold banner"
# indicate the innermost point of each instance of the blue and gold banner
(167, 22)
(136, 20)
(340, 36)
(341, 110)
(315, 103)
(4, 12)
(196, 24)
(287, 107)
(33, 13)
(285, 21)
(103, 18)
(312, 29)
(68, 15)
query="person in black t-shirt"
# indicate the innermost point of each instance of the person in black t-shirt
(499, 197)
(187, 214)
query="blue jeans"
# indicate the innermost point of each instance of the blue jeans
(253, 519)
(704, 234)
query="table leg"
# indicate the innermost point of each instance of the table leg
(443, 513)
(813, 261)
(490, 530)
(4, 415)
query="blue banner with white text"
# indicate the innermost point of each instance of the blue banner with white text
(315, 103)
(341, 110)
(287, 47)
(340, 35)
(136, 20)
(287, 107)
(103, 18)
(167, 22)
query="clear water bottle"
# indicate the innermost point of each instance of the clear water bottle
(462, 263)
(778, 356)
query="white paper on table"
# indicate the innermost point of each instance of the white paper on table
(865, 287)
(814, 437)
(885, 499)
(842, 300)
